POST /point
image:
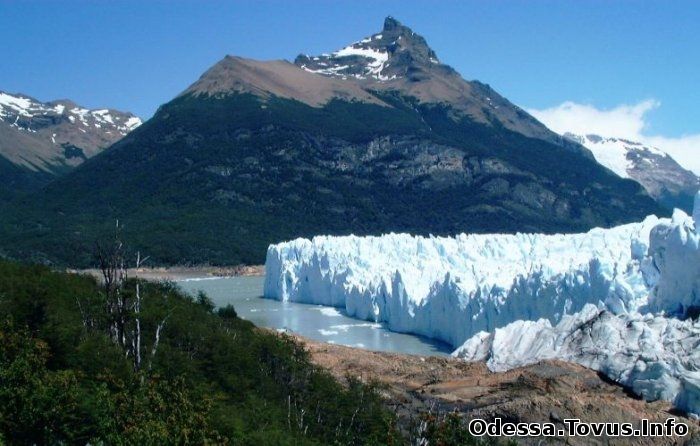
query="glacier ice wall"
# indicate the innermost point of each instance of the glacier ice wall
(450, 288)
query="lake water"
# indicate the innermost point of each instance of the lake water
(321, 323)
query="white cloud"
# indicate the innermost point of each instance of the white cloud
(623, 121)
(685, 150)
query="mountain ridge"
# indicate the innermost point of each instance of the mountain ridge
(275, 77)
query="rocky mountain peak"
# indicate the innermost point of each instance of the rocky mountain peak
(404, 40)
(391, 23)
(394, 53)
(398, 59)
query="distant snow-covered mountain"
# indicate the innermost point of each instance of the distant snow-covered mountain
(39, 140)
(662, 177)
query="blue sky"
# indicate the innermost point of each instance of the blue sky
(540, 54)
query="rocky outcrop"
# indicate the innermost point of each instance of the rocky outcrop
(549, 391)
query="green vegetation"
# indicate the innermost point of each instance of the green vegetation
(213, 378)
(451, 429)
(217, 179)
(17, 181)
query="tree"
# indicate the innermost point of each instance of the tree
(37, 406)
(122, 304)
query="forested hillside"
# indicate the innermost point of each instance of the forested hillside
(212, 378)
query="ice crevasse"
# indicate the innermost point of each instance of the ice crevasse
(620, 300)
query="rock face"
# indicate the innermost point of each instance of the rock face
(662, 177)
(258, 152)
(43, 140)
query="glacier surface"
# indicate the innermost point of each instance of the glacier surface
(623, 301)
(674, 251)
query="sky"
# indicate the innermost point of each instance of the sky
(631, 68)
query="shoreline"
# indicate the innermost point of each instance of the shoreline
(179, 273)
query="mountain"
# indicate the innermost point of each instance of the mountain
(41, 140)
(662, 177)
(397, 59)
(381, 138)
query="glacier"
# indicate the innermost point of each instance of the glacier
(674, 251)
(623, 301)
(450, 288)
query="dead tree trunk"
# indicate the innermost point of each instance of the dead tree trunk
(124, 310)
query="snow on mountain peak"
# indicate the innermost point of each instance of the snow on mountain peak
(20, 111)
(51, 136)
(615, 153)
(19, 104)
(383, 56)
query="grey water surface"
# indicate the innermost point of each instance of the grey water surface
(321, 323)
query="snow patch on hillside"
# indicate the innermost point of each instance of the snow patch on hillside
(337, 63)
